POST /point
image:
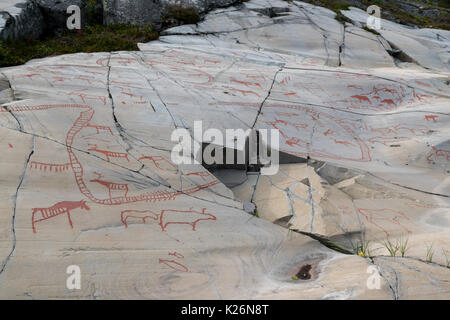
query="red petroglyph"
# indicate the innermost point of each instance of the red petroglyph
(168, 217)
(109, 154)
(422, 83)
(96, 139)
(388, 101)
(10, 145)
(420, 205)
(90, 80)
(111, 186)
(378, 216)
(138, 214)
(286, 114)
(295, 141)
(174, 265)
(176, 255)
(211, 61)
(285, 80)
(29, 76)
(346, 143)
(51, 167)
(202, 174)
(364, 149)
(80, 123)
(297, 126)
(100, 128)
(84, 96)
(120, 60)
(189, 217)
(160, 162)
(245, 92)
(328, 132)
(431, 117)
(256, 77)
(438, 153)
(290, 94)
(361, 98)
(64, 207)
(313, 88)
(354, 86)
(247, 83)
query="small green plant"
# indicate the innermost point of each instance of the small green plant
(294, 278)
(255, 213)
(362, 249)
(403, 246)
(447, 259)
(430, 253)
(391, 247)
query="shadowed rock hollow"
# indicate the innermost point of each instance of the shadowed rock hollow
(87, 177)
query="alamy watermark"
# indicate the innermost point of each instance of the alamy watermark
(252, 147)
(374, 19)
(73, 282)
(74, 21)
(374, 280)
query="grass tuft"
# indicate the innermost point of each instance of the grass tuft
(403, 246)
(362, 249)
(447, 259)
(430, 253)
(391, 247)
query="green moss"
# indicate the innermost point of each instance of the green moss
(96, 38)
(94, 12)
(178, 14)
(371, 30)
(341, 18)
(444, 4)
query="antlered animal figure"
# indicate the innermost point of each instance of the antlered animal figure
(41, 214)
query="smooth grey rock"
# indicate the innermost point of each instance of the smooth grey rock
(55, 12)
(202, 6)
(136, 12)
(20, 19)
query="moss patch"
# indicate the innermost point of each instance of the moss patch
(178, 15)
(97, 38)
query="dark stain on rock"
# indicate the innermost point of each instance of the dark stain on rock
(305, 272)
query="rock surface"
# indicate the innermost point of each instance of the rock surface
(366, 137)
(20, 19)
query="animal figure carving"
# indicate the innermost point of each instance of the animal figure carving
(142, 215)
(109, 154)
(167, 217)
(174, 265)
(64, 207)
(361, 98)
(98, 128)
(431, 117)
(190, 217)
(111, 186)
(382, 218)
(160, 162)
